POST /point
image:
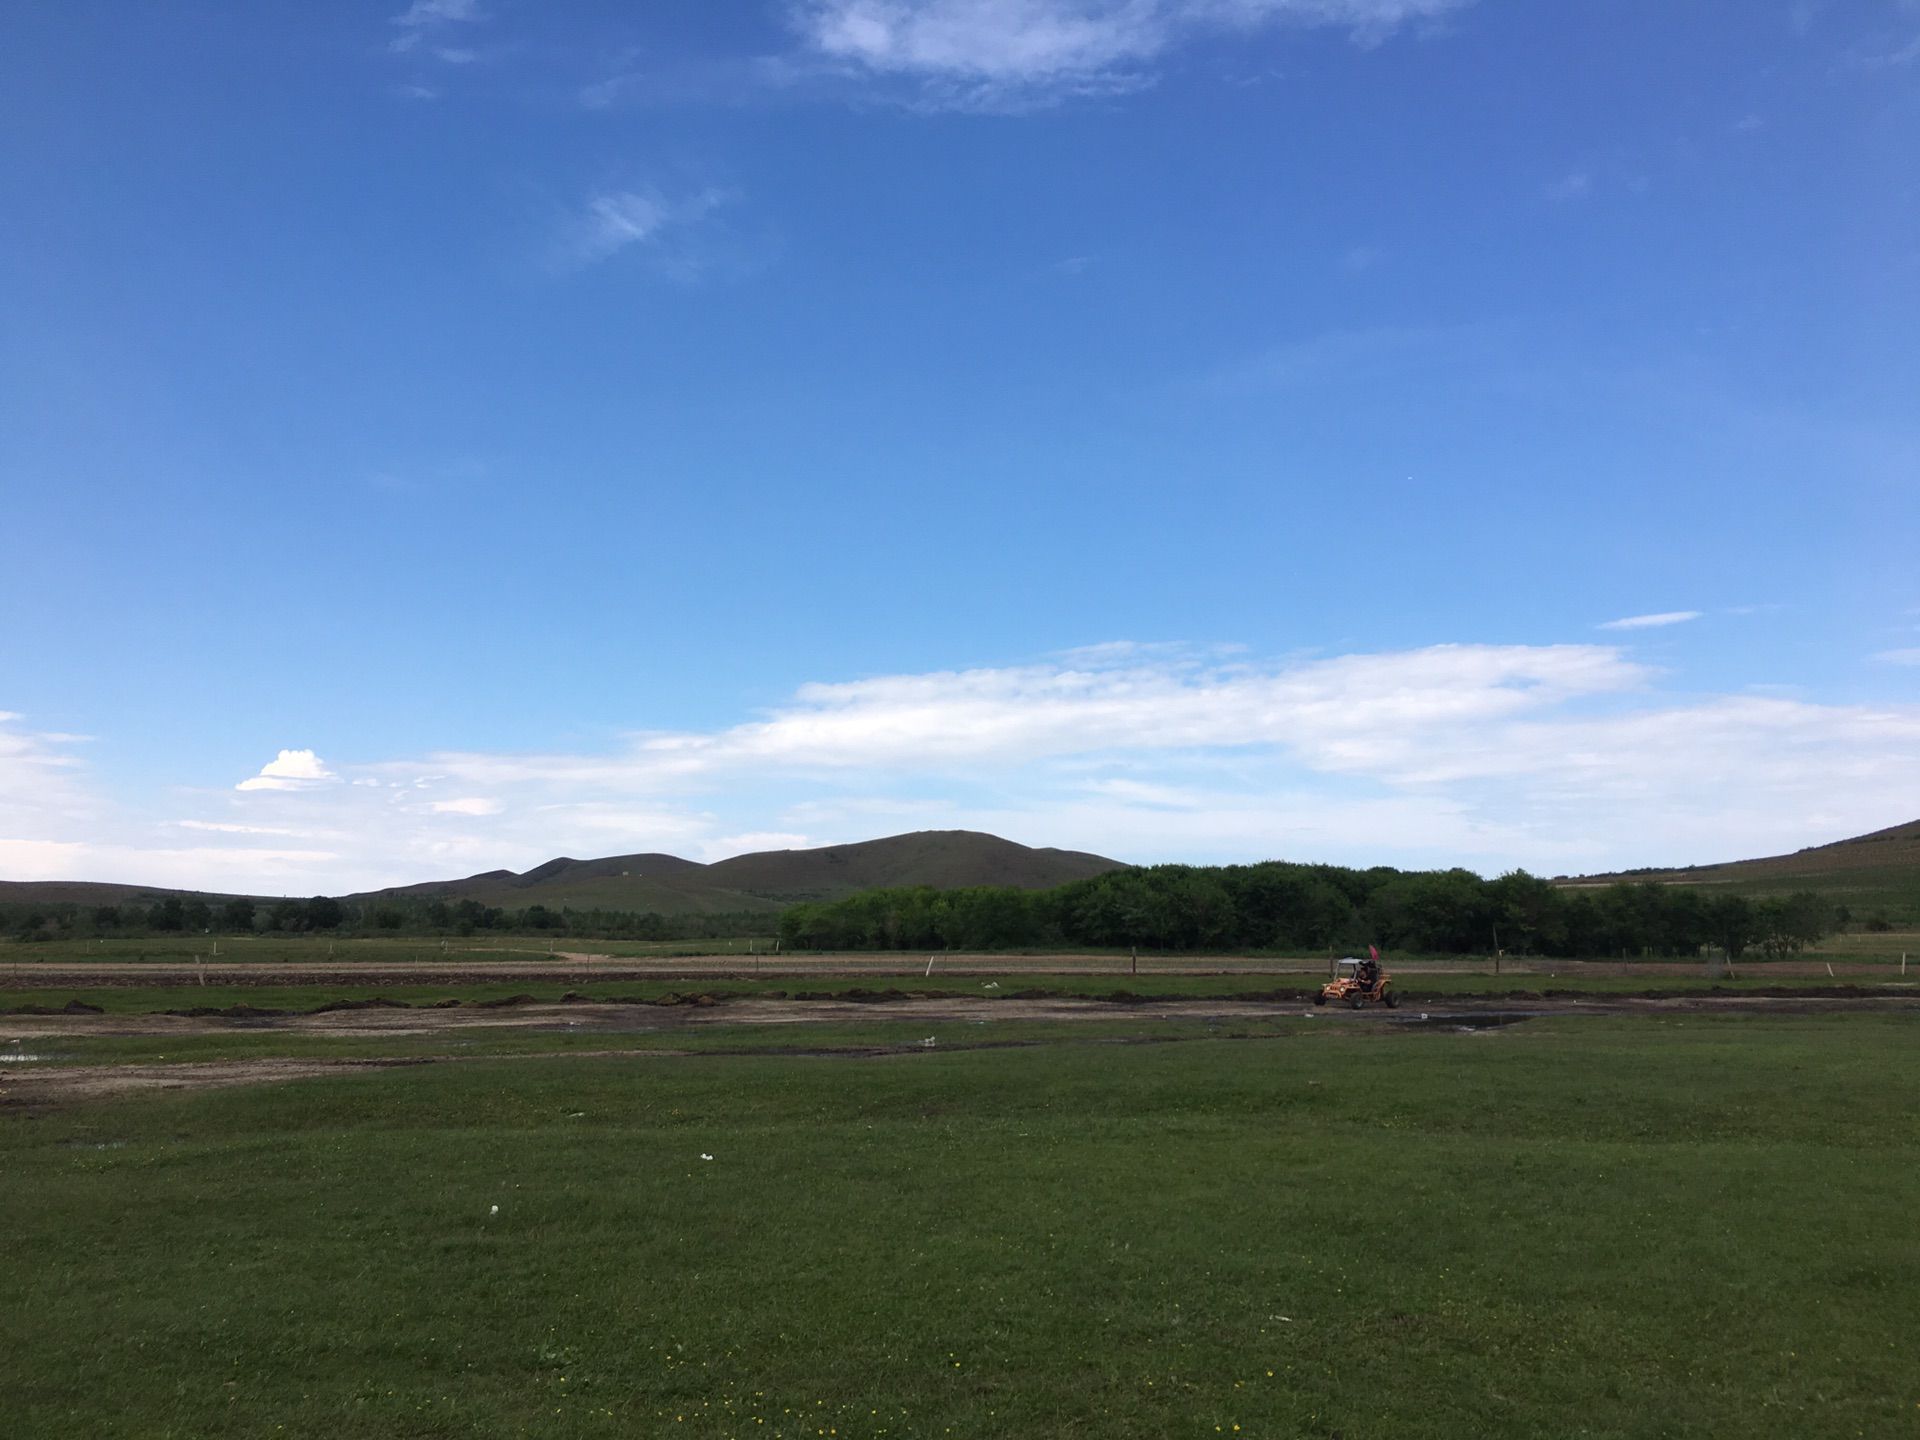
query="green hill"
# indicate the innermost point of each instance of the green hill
(769, 880)
(944, 859)
(670, 885)
(1870, 874)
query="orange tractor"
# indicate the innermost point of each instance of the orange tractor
(1358, 983)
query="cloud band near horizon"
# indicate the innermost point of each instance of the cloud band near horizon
(1553, 757)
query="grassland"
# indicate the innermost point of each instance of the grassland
(1682, 1225)
(17, 956)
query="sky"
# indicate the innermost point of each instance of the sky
(439, 435)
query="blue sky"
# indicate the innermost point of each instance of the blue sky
(1184, 429)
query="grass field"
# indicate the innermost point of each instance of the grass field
(1632, 1227)
(1848, 948)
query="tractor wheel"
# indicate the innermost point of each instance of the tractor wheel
(1393, 1000)
(1320, 999)
(1355, 1001)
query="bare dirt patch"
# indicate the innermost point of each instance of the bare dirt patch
(34, 1085)
(61, 1084)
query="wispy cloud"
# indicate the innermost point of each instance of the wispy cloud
(1574, 185)
(1341, 357)
(1651, 622)
(37, 771)
(431, 34)
(466, 805)
(221, 827)
(1021, 54)
(647, 221)
(1559, 757)
(1899, 657)
(424, 21)
(1894, 57)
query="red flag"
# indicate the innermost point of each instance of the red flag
(1374, 951)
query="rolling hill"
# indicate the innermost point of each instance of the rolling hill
(768, 880)
(669, 885)
(1878, 871)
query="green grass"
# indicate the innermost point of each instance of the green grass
(489, 1041)
(1600, 1228)
(1892, 890)
(1852, 947)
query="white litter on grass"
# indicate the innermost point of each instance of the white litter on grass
(705, 1156)
(494, 1211)
(929, 1042)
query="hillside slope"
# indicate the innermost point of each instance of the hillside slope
(1874, 872)
(93, 892)
(945, 859)
(671, 885)
(768, 880)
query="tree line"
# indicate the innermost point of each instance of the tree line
(176, 915)
(1305, 908)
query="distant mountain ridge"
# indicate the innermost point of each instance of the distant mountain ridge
(1866, 867)
(766, 882)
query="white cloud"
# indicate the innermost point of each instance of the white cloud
(39, 775)
(1014, 54)
(220, 827)
(423, 20)
(1651, 622)
(1889, 59)
(470, 805)
(1558, 757)
(955, 720)
(1360, 357)
(437, 12)
(1899, 657)
(619, 220)
(290, 770)
(1577, 185)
